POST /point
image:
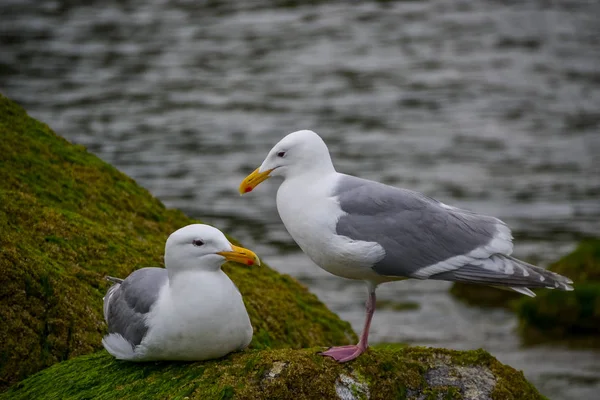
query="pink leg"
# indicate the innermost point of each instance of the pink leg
(348, 353)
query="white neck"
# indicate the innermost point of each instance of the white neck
(313, 173)
(184, 278)
(176, 263)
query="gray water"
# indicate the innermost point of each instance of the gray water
(486, 105)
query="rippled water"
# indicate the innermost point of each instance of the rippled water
(487, 105)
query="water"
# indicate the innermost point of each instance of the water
(486, 105)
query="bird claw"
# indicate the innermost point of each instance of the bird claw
(343, 354)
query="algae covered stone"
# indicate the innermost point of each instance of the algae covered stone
(380, 373)
(68, 219)
(573, 317)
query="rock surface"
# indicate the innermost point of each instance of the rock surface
(68, 219)
(573, 317)
(381, 373)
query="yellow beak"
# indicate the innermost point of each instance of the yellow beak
(253, 180)
(240, 255)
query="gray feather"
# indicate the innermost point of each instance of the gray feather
(414, 230)
(127, 303)
(501, 270)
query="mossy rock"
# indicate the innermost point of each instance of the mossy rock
(571, 318)
(581, 265)
(386, 373)
(68, 219)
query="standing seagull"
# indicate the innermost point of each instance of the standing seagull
(189, 311)
(365, 230)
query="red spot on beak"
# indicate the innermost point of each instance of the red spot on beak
(248, 189)
(250, 262)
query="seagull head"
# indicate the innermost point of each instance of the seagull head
(201, 246)
(299, 153)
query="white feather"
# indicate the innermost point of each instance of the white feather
(524, 290)
(118, 346)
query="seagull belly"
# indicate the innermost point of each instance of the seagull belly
(201, 317)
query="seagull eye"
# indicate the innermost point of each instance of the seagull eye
(198, 242)
(281, 154)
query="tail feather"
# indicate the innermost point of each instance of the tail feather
(524, 290)
(506, 271)
(118, 346)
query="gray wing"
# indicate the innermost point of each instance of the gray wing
(421, 236)
(126, 304)
(424, 238)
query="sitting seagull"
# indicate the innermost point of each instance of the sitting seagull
(189, 310)
(365, 230)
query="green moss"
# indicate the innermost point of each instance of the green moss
(389, 373)
(581, 265)
(571, 318)
(68, 219)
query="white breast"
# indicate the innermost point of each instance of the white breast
(200, 315)
(310, 214)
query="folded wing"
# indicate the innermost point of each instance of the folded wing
(426, 239)
(126, 304)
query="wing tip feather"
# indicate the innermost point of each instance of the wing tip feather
(524, 290)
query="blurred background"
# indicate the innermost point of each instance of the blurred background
(488, 105)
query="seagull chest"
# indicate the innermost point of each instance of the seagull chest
(202, 317)
(310, 217)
